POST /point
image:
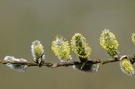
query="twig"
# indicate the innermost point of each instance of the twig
(71, 63)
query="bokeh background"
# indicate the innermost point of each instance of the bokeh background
(23, 21)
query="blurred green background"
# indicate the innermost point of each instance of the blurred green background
(23, 21)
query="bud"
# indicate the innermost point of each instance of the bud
(126, 66)
(61, 48)
(109, 43)
(87, 67)
(37, 52)
(133, 38)
(17, 67)
(80, 46)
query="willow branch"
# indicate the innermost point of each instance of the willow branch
(71, 63)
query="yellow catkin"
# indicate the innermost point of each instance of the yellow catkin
(109, 43)
(133, 38)
(126, 66)
(38, 50)
(80, 46)
(61, 48)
